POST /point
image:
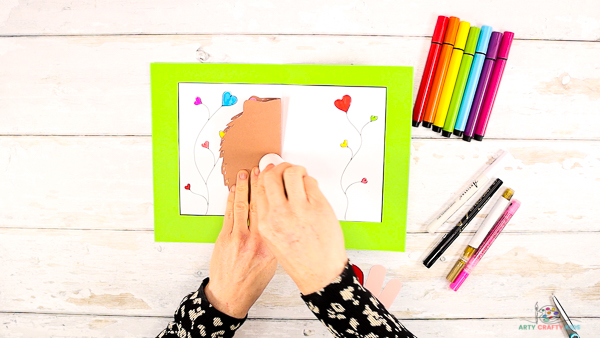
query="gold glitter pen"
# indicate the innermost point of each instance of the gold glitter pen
(479, 236)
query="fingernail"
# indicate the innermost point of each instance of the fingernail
(243, 175)
(256, 171)
(232, 189)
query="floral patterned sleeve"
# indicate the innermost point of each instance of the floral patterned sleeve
(347, 309)
(196, 317)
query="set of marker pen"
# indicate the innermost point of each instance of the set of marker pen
(461, 78)
(453, 234)
(479, 184)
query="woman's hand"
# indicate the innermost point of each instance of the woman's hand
(300, 226)
(241, 265)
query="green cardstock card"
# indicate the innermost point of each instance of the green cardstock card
(348, 125)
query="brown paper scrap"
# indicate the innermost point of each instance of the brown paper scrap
(250, 135)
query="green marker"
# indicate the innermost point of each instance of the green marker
(461, 81)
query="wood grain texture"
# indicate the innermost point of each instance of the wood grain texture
(67, 326)
(106, 182)
(126, 273)
(77, 252)
(100, 85)
(535, 19)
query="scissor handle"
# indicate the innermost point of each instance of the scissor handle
(574, 335)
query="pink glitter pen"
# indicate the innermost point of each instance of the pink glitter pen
(487, 242)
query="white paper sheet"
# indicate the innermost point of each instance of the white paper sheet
(314, 130)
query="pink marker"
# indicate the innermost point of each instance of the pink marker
(487, 242)
(494, 84)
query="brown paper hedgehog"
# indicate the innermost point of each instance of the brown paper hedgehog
(250, 135)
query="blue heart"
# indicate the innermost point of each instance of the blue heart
(228, 99)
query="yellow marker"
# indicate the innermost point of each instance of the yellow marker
(450, 81)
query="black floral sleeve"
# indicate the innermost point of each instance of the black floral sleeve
(196, 317)
(347, 309)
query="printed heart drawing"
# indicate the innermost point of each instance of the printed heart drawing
(221, 133)
(188, 186)
(205, 144)
(198, 101)
(229, 100)
(364, 181)
(344, 144)
(344, 103)
(373, 118)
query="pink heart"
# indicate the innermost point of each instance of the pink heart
(205, 144)
(198, 101)
(364, 181)
(187, 187)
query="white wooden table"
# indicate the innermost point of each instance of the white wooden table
(77, 253)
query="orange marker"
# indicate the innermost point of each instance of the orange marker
(440, 71)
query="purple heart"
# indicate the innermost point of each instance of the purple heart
(198, 101)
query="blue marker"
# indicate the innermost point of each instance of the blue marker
(467, 101)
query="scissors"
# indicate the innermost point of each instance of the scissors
(566, 320)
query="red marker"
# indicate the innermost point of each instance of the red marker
(440, 71)
(428, 72)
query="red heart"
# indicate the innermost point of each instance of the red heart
(205, 144)
(188, 186)
(344, 103)
(364, 181)
(359, 274)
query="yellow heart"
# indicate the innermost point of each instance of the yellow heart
(221, 133)
(344, 144)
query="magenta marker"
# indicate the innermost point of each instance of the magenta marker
(492, 91)
(487, 242)
(484, 79)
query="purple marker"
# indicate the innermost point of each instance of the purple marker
(490, 95)
(486, 72)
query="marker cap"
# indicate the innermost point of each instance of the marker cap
(508, 193)
(492, 51)
(505, 45)
(440, 29)
(460, 279)
(484, 39)
(462, 34)
(450, 36)
(472, 40)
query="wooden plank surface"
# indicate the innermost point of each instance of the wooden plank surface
(99, 85)
(106, 182)
(67, 326)
(77, 252)
(126, 273)
(534, 19)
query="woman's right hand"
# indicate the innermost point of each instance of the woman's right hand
(300, 227)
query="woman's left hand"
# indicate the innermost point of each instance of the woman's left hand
(241, 266)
